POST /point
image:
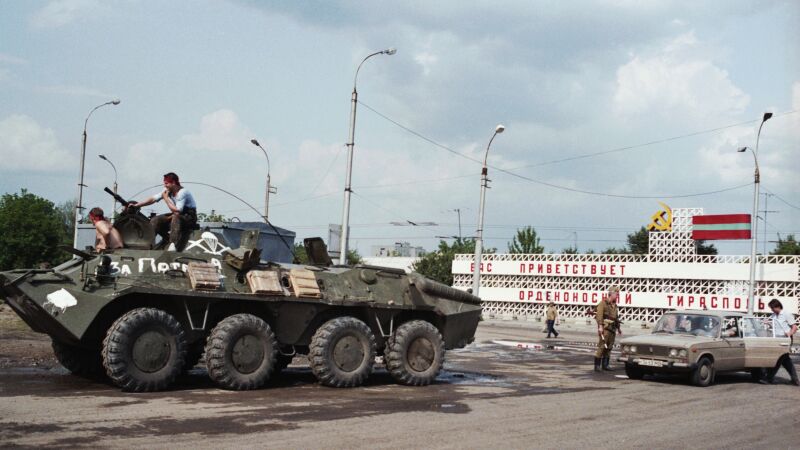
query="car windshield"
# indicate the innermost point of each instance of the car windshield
(694, 324)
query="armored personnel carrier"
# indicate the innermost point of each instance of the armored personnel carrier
(141, 316)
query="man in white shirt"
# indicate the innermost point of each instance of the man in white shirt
(182, 215)
(783, 325)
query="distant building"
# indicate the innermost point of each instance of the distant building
(399, 249)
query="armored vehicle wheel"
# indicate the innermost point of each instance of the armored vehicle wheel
(703, 375)
(415, 353)
(633, 372)
(342, 352)
(144, 350)
(241, 352)
(79, 361)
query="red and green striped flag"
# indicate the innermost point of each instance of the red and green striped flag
(721, 226)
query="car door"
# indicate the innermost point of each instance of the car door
(731, 347)
(761, 348)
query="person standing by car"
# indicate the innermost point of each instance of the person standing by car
(783, 325)
(607, 318)
(551, 315)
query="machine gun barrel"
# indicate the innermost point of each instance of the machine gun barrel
(116, 196)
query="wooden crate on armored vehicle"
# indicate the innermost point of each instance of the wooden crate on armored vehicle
(203, 276)
(304, 283)
(265, 282)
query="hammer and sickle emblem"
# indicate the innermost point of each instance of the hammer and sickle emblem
(662, 220)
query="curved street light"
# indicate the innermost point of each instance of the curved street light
(476, 266)
(751, 290)
(350, 144)
(114, 207)
(79, 207)
(270, 189)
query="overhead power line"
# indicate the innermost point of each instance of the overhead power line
(570, 189)
(783, 200)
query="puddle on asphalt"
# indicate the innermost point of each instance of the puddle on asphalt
(471, 378)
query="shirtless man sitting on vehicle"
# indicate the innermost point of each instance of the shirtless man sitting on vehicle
(106, 236)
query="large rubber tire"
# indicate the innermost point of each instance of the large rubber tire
(79, 361)
(633, 372)
(757, 374)
(703, 374)
(241, 353)
(144, 350)
(342, 352)
(414, 354)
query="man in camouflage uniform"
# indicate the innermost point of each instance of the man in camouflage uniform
(607, 319)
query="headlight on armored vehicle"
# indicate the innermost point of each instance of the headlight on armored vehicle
(673, 352)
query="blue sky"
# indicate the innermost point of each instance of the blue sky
(197, 80)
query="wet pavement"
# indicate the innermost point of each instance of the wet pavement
(490, 394)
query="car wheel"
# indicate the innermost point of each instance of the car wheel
(144, 350)
(342, 352)
(633, 372)
(241, 352)
(703, 374)
(415, 353)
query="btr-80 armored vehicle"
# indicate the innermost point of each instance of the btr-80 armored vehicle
(142, 316)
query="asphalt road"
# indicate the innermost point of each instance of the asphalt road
(490, 395)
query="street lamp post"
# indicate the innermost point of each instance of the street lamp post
(476, 270)
(270, 188)
(751, 291)
(79, 206)
(350, 144)
(114, 207)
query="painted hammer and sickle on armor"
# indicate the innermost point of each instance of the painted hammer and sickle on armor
(662, 220)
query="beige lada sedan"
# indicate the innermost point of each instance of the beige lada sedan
(703, 343)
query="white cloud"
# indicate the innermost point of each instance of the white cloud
(219, 130)
(26, 145)
(778, 151)
(676, 81)
(58, 13)
(426, 60)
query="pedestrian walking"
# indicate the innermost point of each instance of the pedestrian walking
(551, 315)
